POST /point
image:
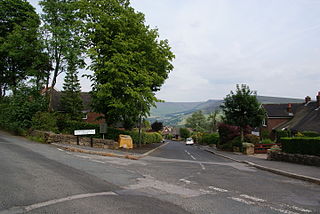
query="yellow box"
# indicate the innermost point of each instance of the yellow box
(125, 141)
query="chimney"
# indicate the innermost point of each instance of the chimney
(289, 109)
(307, 99)
(318, 99)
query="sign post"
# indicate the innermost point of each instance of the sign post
(84, 132)
(103, 129)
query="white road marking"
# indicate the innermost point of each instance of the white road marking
(193, 157)
(97, 161)
(60, 149)
(242, 200)
(23, 209)
(202, 166)
(283, 211)
(185, 181)
(252, 198)
(299, 209)
(218, 189)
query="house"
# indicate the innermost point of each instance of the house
(89, 115)
(297, 117)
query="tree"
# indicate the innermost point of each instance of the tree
(213, 121)
(184, 133)
(71, 100)
(157, 126)
(197, 122)
(61, 29)
(21, 50)
(129, 62)
(241, 108)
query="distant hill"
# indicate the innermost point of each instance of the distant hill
(174, 113)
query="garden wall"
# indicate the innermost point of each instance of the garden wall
(50, 137)
(294, 158)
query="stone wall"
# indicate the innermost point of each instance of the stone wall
(294, 158)
(50, 137)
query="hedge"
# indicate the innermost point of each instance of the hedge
(301, 145)
(209, 139)
(310, 134)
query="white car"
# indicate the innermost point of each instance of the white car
(189, 141)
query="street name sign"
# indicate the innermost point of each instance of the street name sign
(85, 132)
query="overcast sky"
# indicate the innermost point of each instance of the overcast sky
(271, 45)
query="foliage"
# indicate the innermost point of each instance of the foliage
(213, 121)
(45, 121)
(129, 62)
(310, 134)
(169, 136)
(267, 141)
(37, 139)
(17, 110)
(227, 132)
(301, 145)
(209, 139)
(251, 138)
(21, 50)
(157, 126)
(241, 108)
(184, 133)
(247, 145)
(71, 101)
(197, 122)
(64, 43)
(265, 134)
(282, 133)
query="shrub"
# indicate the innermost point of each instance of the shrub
(229, 132)
(251, 138)
(310, 134)
(301, 145)
(209, 139)
(146, 137)
(265, 134)
(282, 133)
(45, 121)
(267, 141)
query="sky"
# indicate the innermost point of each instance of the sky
(273, 46)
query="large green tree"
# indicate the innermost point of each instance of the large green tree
(241, 108)
(197, 121)
(61, 30)
(21, 50)
(129, 61)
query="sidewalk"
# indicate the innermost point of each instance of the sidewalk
(133, 154)
(302, 172)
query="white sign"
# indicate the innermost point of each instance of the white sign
(84, 132)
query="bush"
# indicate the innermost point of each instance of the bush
(146, 137)
(251, 138)
(265, 134)
(45, 121)
(209, 139)
(310, 134)
(267, 141)
(229, 132)
(282, 133)
(301, 145)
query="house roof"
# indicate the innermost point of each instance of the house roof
(85, 96)
(306, 118)
(281, 110)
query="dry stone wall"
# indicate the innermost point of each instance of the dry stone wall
(294, 158)
(50, 137)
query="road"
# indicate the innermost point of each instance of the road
(38, 178)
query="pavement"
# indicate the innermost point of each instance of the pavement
(297, 171)
(292, 170)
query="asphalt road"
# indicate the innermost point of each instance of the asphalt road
(37, 178)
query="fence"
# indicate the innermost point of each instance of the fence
(263, 148)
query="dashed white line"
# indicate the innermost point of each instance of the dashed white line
(252, 198)
(192, 157)
(60, 149)
(242, 200)
(218, 189)
(97, 161)
(299, 209)
(202, 166)
(283, 211)
(185, 181)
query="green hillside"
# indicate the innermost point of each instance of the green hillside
(175, 113)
